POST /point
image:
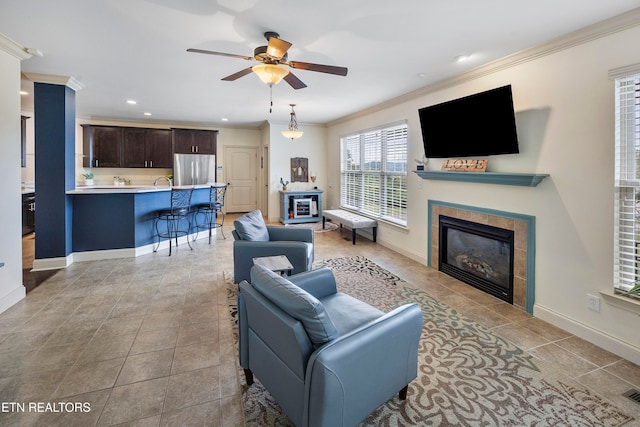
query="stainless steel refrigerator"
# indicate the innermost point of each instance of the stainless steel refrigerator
(194, 169)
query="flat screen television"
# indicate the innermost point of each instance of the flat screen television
(482, 124)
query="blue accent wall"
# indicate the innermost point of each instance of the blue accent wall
(55, 112)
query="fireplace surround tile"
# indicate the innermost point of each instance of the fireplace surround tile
(523, 227)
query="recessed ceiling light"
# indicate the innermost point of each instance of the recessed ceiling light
(462, 58)
(224, 119)
(420, 75)
(147, 114)
(131, 101)
(23, 92)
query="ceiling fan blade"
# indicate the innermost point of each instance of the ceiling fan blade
(236, 76)
(277, 48)
(294, 82)
(329, 69)
(210, 52)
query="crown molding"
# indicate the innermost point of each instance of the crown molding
(624, 71)
(13, 48)
(584, 35)
(68, 81)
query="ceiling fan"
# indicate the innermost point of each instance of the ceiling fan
(273, 57)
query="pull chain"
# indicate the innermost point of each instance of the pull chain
(270, 98)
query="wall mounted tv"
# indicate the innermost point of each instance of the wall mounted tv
(482, 124)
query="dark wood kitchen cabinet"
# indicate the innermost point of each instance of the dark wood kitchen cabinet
(160, 149)
(130, 147)
(102, 146)
(146, 148)
(134, 147)
(28, 213)
(194, 141)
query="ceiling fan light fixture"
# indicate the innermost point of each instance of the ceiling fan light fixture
(292, 131)
(270, 74)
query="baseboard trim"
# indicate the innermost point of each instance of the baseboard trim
(63, 262)
(594, 336)
(416, 257)
(42, 264)
(104, 254)
(12, 297)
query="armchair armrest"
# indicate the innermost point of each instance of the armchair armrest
(351, 376)
(292, 234)
(319, 282)
(244, 251)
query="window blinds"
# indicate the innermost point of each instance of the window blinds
(627, 183)
(373, 171)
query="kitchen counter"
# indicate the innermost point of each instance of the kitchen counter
(127, 189)
(121, 218)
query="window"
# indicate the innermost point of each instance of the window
(627, 183)
(373, 168)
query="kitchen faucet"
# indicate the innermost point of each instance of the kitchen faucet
(155, 183)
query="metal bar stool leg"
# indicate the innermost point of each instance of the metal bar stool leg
(221, 224)
(157, 234)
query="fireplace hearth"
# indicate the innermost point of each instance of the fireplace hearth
(480, 255)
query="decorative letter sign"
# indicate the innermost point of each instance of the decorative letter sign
(465, 165)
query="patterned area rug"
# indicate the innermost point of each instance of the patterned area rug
(467, 376)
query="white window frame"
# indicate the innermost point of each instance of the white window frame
(373, 172)
(627, 178)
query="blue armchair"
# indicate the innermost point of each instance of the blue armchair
(327, 358)
(252, 239)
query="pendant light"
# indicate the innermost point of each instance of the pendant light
(292, 132)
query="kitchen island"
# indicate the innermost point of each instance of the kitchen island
(119, 221)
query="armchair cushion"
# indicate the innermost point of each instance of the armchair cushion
(251, 227)
(297, 303)
(348, 313)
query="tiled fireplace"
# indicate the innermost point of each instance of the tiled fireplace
(523, 227)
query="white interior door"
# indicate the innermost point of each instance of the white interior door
(242, 179)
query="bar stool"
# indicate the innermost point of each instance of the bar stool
(208, 211)
(179, 211)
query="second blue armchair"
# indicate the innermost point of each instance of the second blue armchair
(253, 239)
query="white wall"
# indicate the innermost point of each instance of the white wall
(564, 104)
(311, 145)
(11, 288)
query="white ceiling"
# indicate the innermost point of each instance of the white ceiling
(136, 49)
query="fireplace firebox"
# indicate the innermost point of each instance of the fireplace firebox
(478, 254)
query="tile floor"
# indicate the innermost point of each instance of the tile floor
(147, 341)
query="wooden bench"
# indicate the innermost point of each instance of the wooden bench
(351, 220)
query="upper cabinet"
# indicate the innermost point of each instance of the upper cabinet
(134, 147)
(126, 147)
(102, 146)
(159, 149)
(194, 141)
(146, 148)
